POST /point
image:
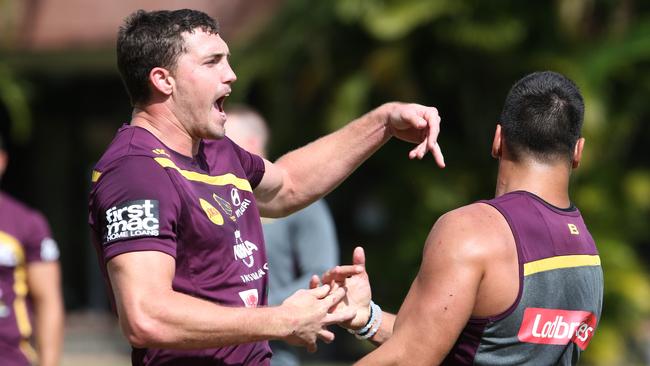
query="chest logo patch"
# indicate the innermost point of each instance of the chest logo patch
(212, 213)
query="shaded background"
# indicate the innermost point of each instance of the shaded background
(309, 67)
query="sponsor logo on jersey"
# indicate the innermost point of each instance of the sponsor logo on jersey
(225, 206)
(49, 250)
(254, 276)
(250, 298)
(555, 326)
(8, 257)
(132, 219)
(212, 213)
(234, 197)
(573, 229)
(243, 250)
(236, 200)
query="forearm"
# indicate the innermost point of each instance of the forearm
(384, 355)
(385, 330)
(388, 354)
(49, 329)
(176, 320)
(317, 168)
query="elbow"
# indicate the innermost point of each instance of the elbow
(280, 208)
(141, 331)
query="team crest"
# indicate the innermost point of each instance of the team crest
(211, 211)
(225, 206)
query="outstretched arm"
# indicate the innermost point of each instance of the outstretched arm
(441, 299)
(306, 174)
(152, 314)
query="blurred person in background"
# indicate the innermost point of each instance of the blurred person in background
(175, 207)
(297, 246)
(31, 304)
(515, 280)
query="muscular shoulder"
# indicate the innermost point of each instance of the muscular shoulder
(131, 141)
(132, 177)
(474, 233)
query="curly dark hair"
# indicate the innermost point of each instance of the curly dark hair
(154, 39)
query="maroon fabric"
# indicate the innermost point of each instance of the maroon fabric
(29, 230)
(211, 228)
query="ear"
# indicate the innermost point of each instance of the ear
(4, 160)
(496, 143)
(162, 80)
(577, 153)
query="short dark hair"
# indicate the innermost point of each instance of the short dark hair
(542, 117)
(154, 39)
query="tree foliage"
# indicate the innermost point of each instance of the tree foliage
(322, 63)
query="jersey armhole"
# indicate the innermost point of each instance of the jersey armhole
(520, 265)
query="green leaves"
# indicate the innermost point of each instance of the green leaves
(391, 20)
(14, 99)
(323, 63)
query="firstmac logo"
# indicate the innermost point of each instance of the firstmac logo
(555, 326)
(132, 219)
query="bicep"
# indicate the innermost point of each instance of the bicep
(268, 190)
(441, 298)
(44, 279)
(137, 277)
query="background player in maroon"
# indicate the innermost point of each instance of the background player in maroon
(174, 219)
(515, 280)
(31, 304)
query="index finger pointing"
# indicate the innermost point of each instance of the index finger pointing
(437, 155)
(432, 139)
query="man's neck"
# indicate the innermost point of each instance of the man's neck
(549, 182)
(163, 124)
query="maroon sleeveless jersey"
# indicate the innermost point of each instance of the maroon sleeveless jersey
(560, 291)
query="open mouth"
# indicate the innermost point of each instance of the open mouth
(219, 103)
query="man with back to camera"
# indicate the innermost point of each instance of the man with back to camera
(299, 245)
(188, 273)
(31, 304)
(515, 280)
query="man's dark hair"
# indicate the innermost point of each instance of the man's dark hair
(542, 117)
(154, 39)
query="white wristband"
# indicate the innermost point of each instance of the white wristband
(371, 320)
(374, 324)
